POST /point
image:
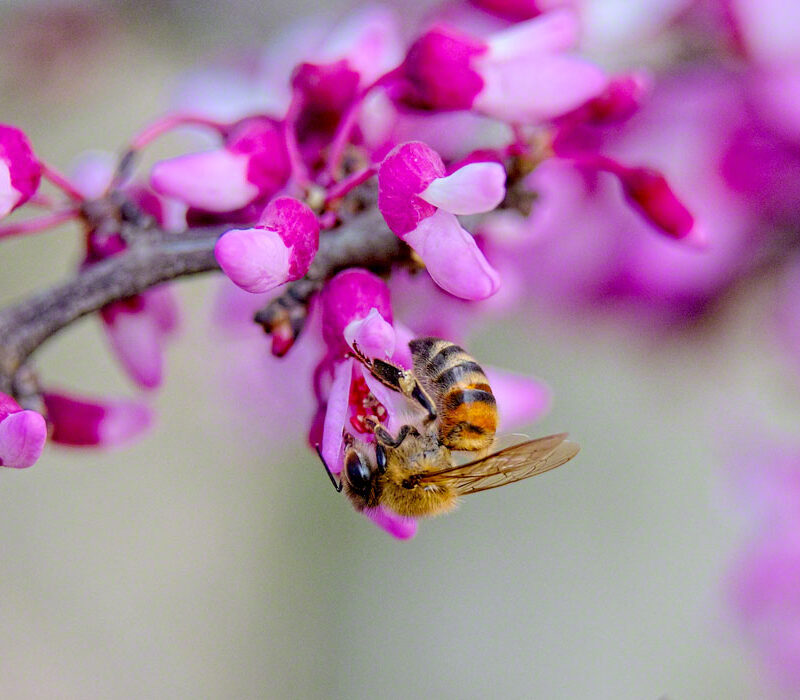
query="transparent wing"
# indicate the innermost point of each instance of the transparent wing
(507, 466)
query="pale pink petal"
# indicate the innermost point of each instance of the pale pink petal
(533, 91)
(92, 172)
(88, 422)
(398, 526)
(9, 197)
(452, 257)
(473, 189)
(374, 336)
(520, 399)
(123, 422)
(335, 416)
(136, 339)
(211, 180)
(554, 31)
(255, 259)
(22, 438)
(369, 39)
(770, 28)
(161, 303)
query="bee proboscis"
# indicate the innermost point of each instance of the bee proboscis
(414, 474)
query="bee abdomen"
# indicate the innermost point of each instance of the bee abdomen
(467, 408)
(468, 418)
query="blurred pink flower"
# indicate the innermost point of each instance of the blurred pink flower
(518, 74)
(20, 171)
(764, 581)
(252, 164)
(138, 328)
(87, 422)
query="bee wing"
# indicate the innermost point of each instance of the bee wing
(507, 466)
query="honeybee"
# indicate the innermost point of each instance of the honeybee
(414, 474)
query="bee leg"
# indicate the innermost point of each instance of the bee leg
(385, 437)
(401, 380)
(337, 486)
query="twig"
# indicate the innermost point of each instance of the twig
(364, 240)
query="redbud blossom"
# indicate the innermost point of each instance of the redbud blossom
(253, 164)
(22, 434)
(138, 327)
(103, 423)
(278, 249)
(20, 172)
(519, 74)
(649, 191)
(419, 203)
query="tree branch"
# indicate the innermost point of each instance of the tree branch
(156, 258)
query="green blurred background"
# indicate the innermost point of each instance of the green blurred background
(212, 558)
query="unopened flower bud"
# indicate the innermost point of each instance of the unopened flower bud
(280, 248)
(22, 434)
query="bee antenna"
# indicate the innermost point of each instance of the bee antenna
(337, 486)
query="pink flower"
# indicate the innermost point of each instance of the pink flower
(278, 249)
(20, 172)
(419, 202)
(85, 422)
(22, 434)
(253, 164)
(138, 328)
(519, 74)
(764, 581)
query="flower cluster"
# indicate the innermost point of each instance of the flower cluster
(494, 157)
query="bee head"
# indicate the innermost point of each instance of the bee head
(359, 477)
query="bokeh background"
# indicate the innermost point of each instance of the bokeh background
(212, 558)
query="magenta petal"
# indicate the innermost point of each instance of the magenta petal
(473, 189)
(335, 416)
(399, 526)
(348, 296)
(136, 338)
(83, 422)
(212, 180)
(452, 257)
(9, 197)
(405, 172)
(520, 399)
(22, 438)
(255, 259)
(537, 90)
(20, 172)
(374, 336)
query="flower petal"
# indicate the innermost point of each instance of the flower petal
(255, 259)
(374, 336)
(399, 526)
(9, 197)
(554, 31)
(473, 189)
(520, 399)
(22, 438)
(452, 257)
(335, 416)
(136, 339)
(537, 90)
(211, 180)
(84, 422)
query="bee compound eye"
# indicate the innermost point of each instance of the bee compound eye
(380, 457)
(358, 474)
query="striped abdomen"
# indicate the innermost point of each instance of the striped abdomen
(461, 391)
